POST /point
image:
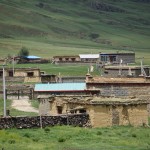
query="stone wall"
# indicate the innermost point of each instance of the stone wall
(102, 116)
(124, 72)
(35, 122)
(32, 79)
(121, 90)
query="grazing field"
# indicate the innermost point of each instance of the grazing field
(63, 70)
(75, 138)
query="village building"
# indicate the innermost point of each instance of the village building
(103, 111)
(66, 59)
(117, 58)
(62, 89)
(81, 58)
(126, 71)
(29, 74)
(89, 58)
(30, 59)
(119, 87)
(49, 78)
(72, 79)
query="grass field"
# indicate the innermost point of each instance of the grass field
(63, 70)
(75, 138)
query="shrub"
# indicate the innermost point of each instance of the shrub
(134, 135)
(23, 52)
(27, 135)
(61, 139)
(99, 133)
(35, 139)
(94, 35)
(46, 129)
(11, 141)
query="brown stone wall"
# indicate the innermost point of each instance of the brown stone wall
(32, 79)
(138, 115)
(100, 116)
(23, 73)
(122, 90)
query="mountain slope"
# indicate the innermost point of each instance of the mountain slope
(45, 26)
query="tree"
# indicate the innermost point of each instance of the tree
(23, 52)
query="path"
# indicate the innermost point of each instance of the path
(23, 105)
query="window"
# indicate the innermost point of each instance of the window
(104, 58)
(10, 73)
(59, 109)
(30, 74)
(66, 59)
(73, 59)
(1, 73)
(60, 59)
(82, 111)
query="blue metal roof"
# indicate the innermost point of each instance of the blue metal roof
(60, 87)
(32, 57)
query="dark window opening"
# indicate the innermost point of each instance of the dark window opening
(82, 111)
(104, 58)
(112, 58)
(30, 74)
(59, 109)
(66, 59)
(73, 59)
(106, 72)
(60, 59)
(10, 73)
(1, 73)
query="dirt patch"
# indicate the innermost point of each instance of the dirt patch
(24, 105)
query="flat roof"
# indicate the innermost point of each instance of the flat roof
(109, 100)
(99, 100)
(132, 53)
(60, 87)
(117, 80)
(32, 57)
(89, 55)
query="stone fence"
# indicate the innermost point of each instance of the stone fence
(81, 120)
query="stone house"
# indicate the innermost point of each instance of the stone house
(103, 111)
(66, 59)
(30, 59)
(89, 58)
(119, 87)
(81, 58)
(29, 74)
(63, 89)
(125, 71)
(115, 58)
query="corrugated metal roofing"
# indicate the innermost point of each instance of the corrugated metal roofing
(60, 87)
(32, 57)
(89, 55)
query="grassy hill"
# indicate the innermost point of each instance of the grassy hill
(55, 27)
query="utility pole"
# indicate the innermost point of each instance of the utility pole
(13, 65)
(4, 90)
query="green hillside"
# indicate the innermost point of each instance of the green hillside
(55, 27)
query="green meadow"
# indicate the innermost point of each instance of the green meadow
(76, 138)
